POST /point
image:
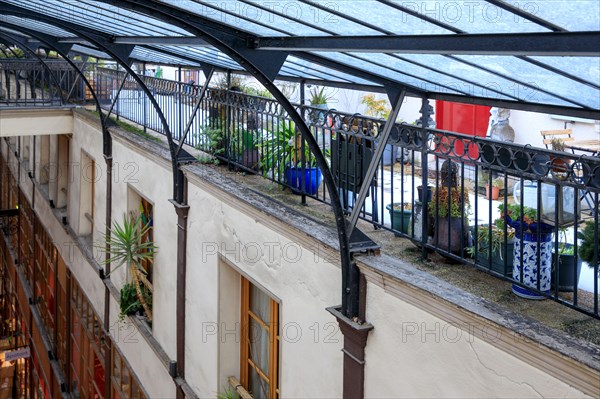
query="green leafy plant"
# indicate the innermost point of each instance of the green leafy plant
(259, 91)
(128, 248)
(228, 393)
(449, 202)
(557, 144)
(211, 140)
(128, 303)
(590, 241)
(319, 96)
(498, 182)
(277, 149)
(484, 245)
(516, 212)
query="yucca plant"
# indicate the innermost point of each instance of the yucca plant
(127, 248)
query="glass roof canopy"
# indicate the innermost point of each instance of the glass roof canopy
(542, 56)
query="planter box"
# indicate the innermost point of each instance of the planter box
(349, 163)
(502, 260)
(400, 219)
(566, 272)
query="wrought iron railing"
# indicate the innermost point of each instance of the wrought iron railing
(429, 188)
(28, 82)
(556, 193)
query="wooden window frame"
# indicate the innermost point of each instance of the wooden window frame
(246, 363)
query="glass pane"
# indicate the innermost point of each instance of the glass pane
(319, 70)
(573, 15)
(35, 25)
(394, 20)
(384, 72)
(218, 13)
(540, 78)
(259, 346)
(260, 304)
(587, 68)
(491, 82)
(125, 382)
(258, 388)
(472, 16)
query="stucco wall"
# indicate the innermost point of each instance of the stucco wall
(410, 353)
(311, 361)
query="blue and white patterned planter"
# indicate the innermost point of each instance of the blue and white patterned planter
(530, 265)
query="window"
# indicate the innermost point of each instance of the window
(44, 274)
(139, 205)
(259, 343)
(124, 384)
(87, 347)
(87, 179)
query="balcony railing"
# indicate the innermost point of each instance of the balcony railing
(430, 186)
(26, 82)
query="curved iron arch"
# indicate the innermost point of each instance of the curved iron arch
(12, 37)
(350, 283)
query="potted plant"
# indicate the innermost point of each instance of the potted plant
(559, 165)
(318, 99)
(448, 209)
(492, 249)
(493, 192)
(128, 248)
(285, 156)
(590, 242)
(528, 255)
(569, 269)
(243, 149)
(400, 215)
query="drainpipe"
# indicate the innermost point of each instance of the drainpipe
(108, 342)
(182, 209)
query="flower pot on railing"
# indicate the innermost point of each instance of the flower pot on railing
(532, 255)
(400, 215)
(502, 258)
(449, 234)
(305, 181)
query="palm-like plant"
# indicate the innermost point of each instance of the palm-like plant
(127, 247)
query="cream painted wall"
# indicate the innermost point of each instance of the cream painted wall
(412, 354)
(311, 360)
(152, 179)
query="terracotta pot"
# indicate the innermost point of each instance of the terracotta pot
(448, 235)
(495, 192)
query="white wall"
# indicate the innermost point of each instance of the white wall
(283, 268)
(282, 262)
(412, 354)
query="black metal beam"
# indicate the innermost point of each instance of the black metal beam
(546, 43)
(350, 308)
(4, 213)
(163, 40)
